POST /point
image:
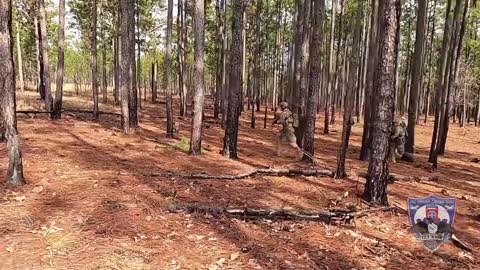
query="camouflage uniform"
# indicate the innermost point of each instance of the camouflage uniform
(397, 145)
(287, 134)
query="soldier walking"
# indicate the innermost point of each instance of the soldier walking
(287, 135)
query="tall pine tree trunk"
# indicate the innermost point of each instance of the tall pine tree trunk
(383, 109)
(94, 60)
(350, 90)
(236, 81)
(315, 77)
(303, 84)
(60, 62)
(38, 46)
(20, 60)
(331, 70)
(198, 99)
(168, 70)
(116, 58)
(417, 74)
(45, 63)
(220, 56)
(8, 118)
(132, 95)
(441, 82)
(371, 71)
(127, 21)
(181, 58)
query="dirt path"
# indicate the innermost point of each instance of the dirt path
(98, 199)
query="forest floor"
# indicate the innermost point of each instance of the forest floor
(98, 199)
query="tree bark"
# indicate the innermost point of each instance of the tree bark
(331, 69)
(452, 74)
(94, 60)
(302, 87)
(181, 58)
(139, 53)
(220, 56)
(315, 77)
(417, 74)
(441, 82)
(8, 118)
(349, 96)
(44, 51)
(19, 57)
(60, 62)
(38, 42)
(133, 89)
(383, 110)
(104, 63)
(371, 71)
(116, 58)
(198, 99)
(236, 81)
(168, 70)
(125, 61)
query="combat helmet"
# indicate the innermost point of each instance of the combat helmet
(283, 105)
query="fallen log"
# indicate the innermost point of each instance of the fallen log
(66, 110)
(329, 216)
(265, 172)
(90, 112)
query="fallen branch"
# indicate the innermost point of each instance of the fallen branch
(335, 216)
(265, 172)
(460, 244)
(90, 112)
(252, 213)
(34, 112)
(66, 110)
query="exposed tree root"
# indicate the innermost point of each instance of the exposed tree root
(266, 172)
(330, 216)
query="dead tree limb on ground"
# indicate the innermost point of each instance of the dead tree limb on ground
(330, 216)
(27, 112)
(265, 172)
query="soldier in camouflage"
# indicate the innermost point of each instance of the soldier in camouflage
(398, 138)
(285, 118)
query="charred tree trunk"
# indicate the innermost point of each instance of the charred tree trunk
(198, 100)
(60, 62)
(383, 109)
(236, 81)
(8, 118)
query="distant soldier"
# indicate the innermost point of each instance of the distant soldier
(287, 135)
(398, 138)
